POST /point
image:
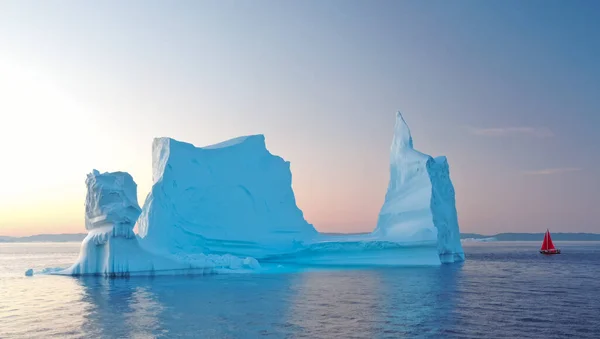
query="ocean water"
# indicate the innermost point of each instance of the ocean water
(503, 290)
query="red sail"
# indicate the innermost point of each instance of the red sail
(545, 243)
(550, 244)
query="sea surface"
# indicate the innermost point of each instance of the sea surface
(503, 290)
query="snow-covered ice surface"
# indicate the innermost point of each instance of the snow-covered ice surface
(231, 207)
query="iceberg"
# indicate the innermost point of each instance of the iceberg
(230, 207)
(420, 201)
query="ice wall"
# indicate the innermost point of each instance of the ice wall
(234, 197)
(419, 204)
(443, 210)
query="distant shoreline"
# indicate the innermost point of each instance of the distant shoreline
(532, 236)
(78, 237)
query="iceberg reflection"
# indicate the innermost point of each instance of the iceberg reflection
(316, 304)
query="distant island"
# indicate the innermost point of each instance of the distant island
(78, 237)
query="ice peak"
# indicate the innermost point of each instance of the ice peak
(402, 137)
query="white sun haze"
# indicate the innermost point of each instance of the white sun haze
(42, 131)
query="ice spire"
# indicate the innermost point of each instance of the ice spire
(402, 137)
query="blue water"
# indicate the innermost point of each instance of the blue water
(503, 290)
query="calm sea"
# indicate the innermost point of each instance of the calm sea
(503, 290)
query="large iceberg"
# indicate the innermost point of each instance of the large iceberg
(231, 207)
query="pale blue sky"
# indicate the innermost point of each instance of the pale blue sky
(508, 90)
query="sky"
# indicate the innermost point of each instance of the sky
(508, 90)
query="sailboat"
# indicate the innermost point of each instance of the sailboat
(548, 246)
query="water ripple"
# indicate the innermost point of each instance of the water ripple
(503, 290)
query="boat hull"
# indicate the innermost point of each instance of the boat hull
(548, 252)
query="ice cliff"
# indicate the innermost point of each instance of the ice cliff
(230, 198)
(231, 206)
